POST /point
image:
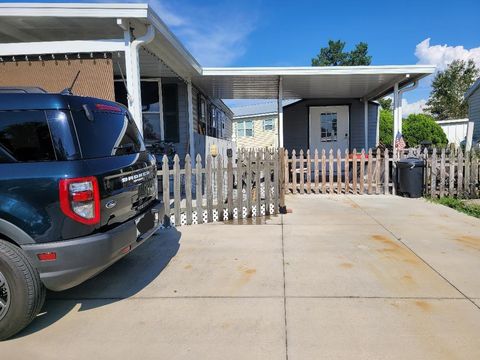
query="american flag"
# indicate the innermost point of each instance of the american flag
(399, 142)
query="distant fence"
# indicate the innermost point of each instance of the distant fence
(218, 190)
(452, 172)
(448, 172)
(339, 172)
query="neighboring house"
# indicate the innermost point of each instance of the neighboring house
(473, 98)
(255, 126)
(125, 48)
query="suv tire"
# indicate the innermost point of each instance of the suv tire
(26, 293)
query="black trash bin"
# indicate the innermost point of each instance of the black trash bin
(410, 177)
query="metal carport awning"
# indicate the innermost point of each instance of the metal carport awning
(342, 82)
(364, 82)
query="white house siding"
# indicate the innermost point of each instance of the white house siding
(474, 113)
(260, 138)
(296, 122)
(456, 130)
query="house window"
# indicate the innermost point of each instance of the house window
(268, 125)
(202, 115)
(170, 112)
(245, 128)
(328, 123)
(151, 111)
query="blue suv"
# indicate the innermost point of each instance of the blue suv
(78, 191)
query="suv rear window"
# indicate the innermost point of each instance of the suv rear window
(107, 134)
(25, 136)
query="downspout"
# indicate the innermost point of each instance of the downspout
(400, 94)
(135, 95)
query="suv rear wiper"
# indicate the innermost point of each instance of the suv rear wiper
(127, 146)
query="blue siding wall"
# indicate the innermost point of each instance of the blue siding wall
(295, 122)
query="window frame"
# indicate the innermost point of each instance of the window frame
(272, 125)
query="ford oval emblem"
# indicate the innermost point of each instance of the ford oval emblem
(110, 204)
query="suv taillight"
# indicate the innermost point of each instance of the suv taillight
(80, 199)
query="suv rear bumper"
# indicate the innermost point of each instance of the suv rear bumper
(82, 258)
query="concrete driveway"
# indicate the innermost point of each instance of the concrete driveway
(344, 277)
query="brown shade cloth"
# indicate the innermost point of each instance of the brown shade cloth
(95, 79)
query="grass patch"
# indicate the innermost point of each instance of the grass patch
(459, 205)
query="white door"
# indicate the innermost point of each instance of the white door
(329, 128)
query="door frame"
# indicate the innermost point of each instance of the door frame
(324, 106)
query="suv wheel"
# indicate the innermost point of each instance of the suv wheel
(21, 292)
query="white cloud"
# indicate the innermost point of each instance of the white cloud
(416, 107)
(443, 55)
(215, 36)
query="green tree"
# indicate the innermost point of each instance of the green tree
(448, 89)
(386, 127)
(386, 103)
(334, 55)
(422, 127)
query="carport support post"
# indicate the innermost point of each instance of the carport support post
(191, 142)
(160, 109)
(365, 122)
(397, 113)
(280, 112)
(132, 66)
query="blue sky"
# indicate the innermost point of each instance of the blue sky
(290, 33)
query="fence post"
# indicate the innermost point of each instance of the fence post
(442, 173)
(354, 169)
(219, 177)
(208, 178)
(267, 175)
(362, 172)
(258, 191)
(378, 169)
(339, 171)
(301, 159)
(284, 179)
(198, 191)
(309, 172)
(277, 179)
(460, 174)
(229, 188)
(294, 173)
(474, 178)
(249, 184)
(369, 172)
(188, 188)
(386, 176)
(324, 172)
(166, 190)
(315, 170)
(330, 172)
(286, 172)
(347, 172)
(240, 173)
(427, 171)
(451, 173)
(466, 187)
(433, 172)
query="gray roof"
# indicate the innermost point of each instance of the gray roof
(472, 89)
(259, 109)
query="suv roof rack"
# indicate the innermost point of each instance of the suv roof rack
(22, 90)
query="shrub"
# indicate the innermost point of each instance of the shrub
(422, 127)
(386, 127)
